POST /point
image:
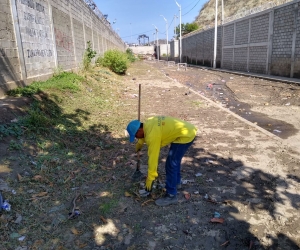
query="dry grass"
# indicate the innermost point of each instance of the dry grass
(206, 15)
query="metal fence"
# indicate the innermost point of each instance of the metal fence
(95, 9)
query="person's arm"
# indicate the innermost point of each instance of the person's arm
(153, 155)
(139, 145)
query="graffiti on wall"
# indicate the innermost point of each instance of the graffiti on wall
(36, 33)
(63, 40)
(39, 53)
(33, 18)
(33, 5)
(36, 37)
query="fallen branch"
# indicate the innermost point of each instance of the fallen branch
(225, 243)
(146, 202)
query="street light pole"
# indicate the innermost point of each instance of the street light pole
(130, 33)
(180, 39)
(157, 53)
(216, 35)
(175, 27)
(167, 37)
(222, 12)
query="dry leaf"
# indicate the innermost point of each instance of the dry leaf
(41, 194)
(37, 244)
(67, 179)
(187, 196)
(82, 245)
(217, 220)
(37, 177)
(127, 194)
(20, 177)
(75, 231)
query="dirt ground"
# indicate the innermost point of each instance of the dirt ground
(243, 167)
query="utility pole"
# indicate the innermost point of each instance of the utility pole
(175, 17)
(222, 12)
(180, 41)
(157, 53)
(167, 37)
(216, 36)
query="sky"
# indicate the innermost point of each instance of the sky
(131, 18)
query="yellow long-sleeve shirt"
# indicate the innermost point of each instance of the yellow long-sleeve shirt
(160, 131)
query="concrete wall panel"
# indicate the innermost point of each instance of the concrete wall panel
(9, 60)
(228, 35)
(259, 29)
(240, 59)
(227, 59)
(282, 41)
(242, 32)
(36, 37)
(78, 40)
(63, 39)
(258, 59)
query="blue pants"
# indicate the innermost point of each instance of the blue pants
(173, 176)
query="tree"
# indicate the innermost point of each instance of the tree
(186, 28)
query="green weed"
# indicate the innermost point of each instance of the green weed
(197, 103)
(89, 54)
(63, 81)
(13, 145)
(130, 55)
(106, 208)
(11, 130)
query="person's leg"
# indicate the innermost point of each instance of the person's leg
(173, 166)
(173, 173)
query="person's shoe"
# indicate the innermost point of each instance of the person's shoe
(167, 200)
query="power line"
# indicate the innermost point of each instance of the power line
(188, 5)
(138, 33)
(191, 9)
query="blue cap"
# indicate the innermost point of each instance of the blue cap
(132, 128)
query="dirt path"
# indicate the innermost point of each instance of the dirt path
(249, 177)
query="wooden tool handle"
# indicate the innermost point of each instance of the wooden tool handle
(139, 110)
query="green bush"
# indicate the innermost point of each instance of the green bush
(115, 60)
(130, 55)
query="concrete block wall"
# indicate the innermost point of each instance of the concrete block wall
(163, 50)
(198, 48)
(245, 46)
(174, 50)
(47, 34)
(267, 43)
(296, 70)
(282, 41)
(144, 50)
(10, 71)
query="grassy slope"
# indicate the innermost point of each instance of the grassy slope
(71, 137)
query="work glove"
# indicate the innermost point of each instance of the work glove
(149, 184)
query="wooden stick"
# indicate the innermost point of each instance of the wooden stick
(139, 110)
